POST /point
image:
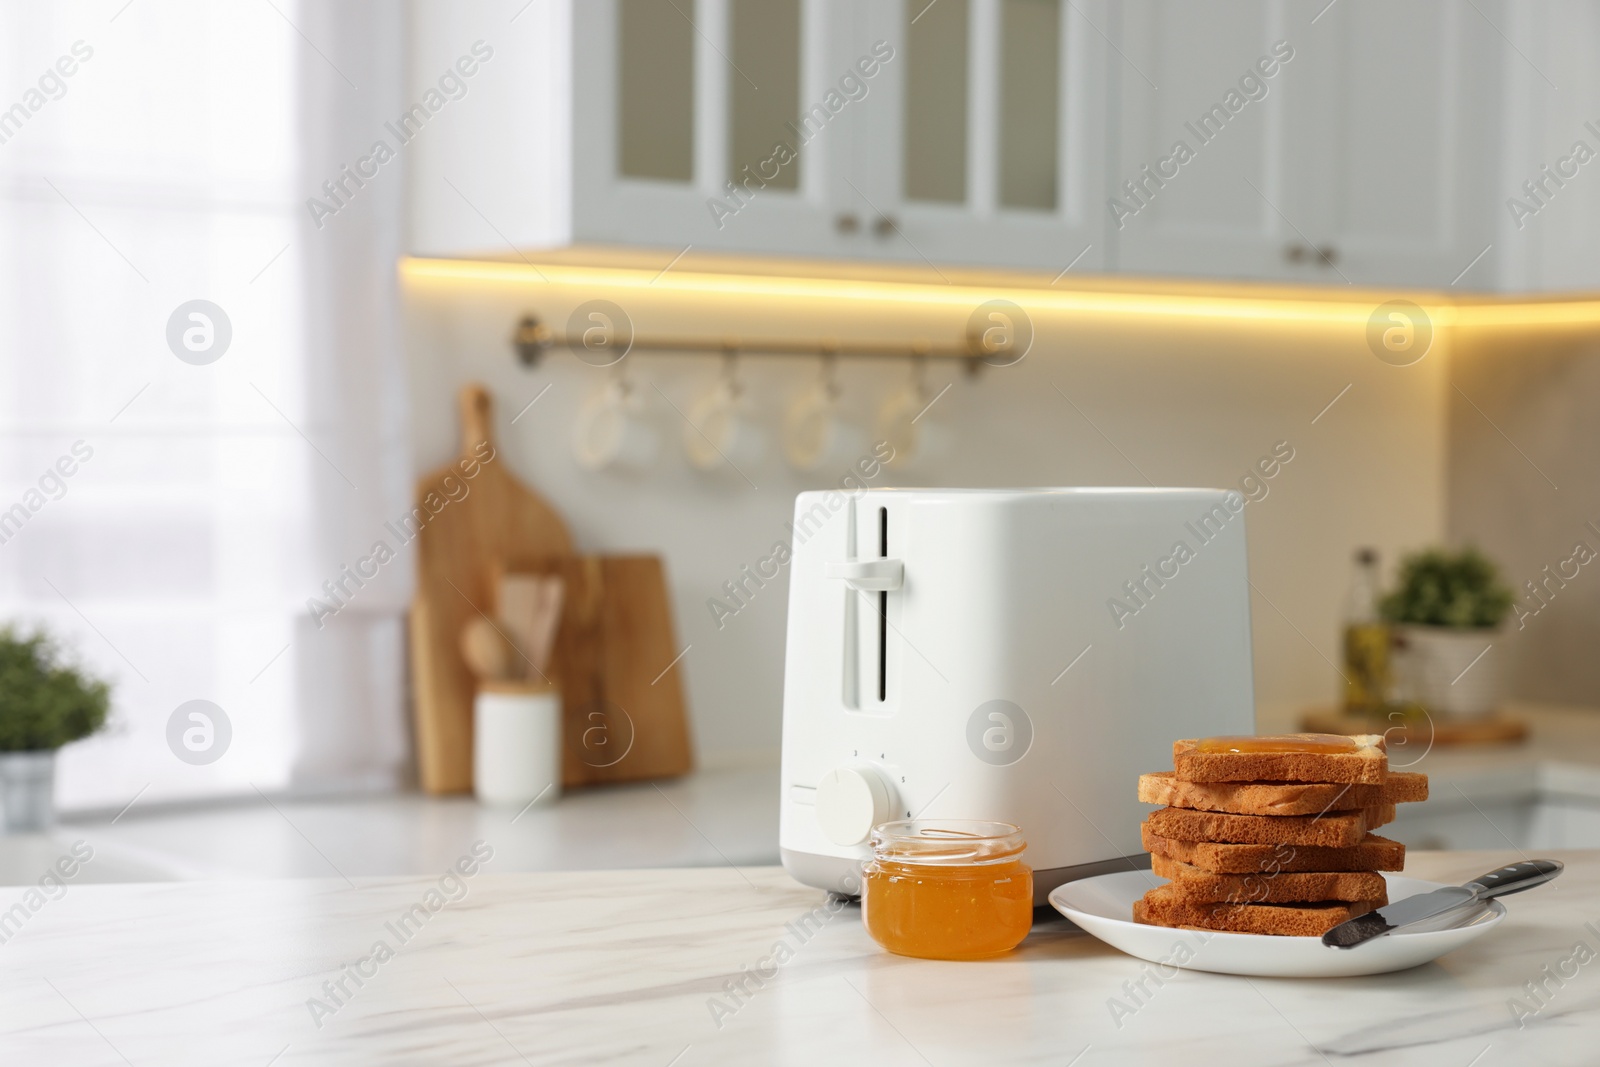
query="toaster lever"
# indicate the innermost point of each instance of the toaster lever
(870, 575)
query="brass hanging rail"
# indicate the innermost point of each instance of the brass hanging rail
(532, 339)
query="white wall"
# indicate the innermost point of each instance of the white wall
(1523, 486)
(1185, 403)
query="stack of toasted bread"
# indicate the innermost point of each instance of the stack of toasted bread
(1272, 835)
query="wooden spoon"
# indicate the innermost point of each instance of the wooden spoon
(489, 653)
(547, 620)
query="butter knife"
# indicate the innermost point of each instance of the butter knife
(1402, 913)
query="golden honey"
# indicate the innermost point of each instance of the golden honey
(1280, 743)
(947, 890)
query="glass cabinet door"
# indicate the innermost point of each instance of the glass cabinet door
(994, 146)
(755, 70)
(996, 63)
(704, 109)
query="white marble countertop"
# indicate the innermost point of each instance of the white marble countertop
(631, 967)
(711, 818)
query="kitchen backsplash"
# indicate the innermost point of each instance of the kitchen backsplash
(1330, 447)
(1523, 485)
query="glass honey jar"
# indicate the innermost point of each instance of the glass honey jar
(947, 889)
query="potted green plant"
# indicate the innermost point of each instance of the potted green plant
(1447, 607)
(44, 703)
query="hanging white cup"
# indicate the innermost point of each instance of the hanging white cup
(612, 432)
(816, 435)
(906, 421)
(722, 435)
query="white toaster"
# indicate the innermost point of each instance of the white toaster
(1012, 654)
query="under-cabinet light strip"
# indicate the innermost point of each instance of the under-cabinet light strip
(1250, 303)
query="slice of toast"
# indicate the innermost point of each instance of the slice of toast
(1279, 798)
(1340, 829)
(1374, 853)
(1163, 906)
(1192, 883)
(1366, 764)
(1405, 787)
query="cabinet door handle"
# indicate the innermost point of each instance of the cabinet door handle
(1322, 255)
(885, 226)
(845, 222)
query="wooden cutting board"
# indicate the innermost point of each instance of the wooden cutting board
(616, 660)
(1485, 730)
(470, 513)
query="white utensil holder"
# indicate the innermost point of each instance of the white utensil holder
(516, 743)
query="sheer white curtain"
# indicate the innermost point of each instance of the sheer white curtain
(160, 152)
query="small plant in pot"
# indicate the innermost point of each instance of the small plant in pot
(44, 703)
(1447, 607)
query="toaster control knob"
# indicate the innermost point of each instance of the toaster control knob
(850, 802)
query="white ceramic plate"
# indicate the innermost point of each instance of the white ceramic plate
(1103, 906)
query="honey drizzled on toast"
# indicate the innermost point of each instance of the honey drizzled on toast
(1308, 743)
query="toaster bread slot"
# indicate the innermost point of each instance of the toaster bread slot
(852, 621)
(883, 611)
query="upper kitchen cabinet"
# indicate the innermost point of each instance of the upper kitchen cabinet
(1399, 142)
(723, 124)
(1290, 140)
(1347, 143)
(963, 131)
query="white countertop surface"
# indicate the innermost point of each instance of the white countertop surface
(708, 819)
(626, 967)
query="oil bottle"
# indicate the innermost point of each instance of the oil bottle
(1367, 673)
